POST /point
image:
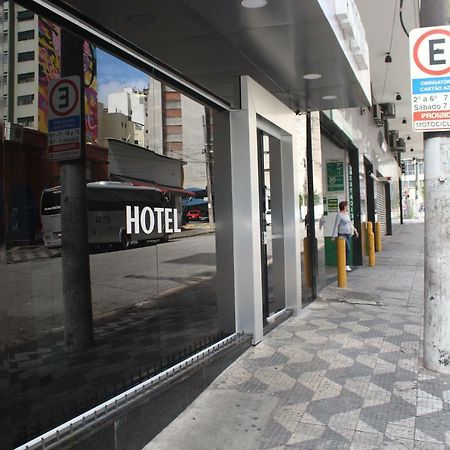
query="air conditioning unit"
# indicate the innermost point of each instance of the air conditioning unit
(393, 138)
(401, 147)
(388, 110)
(377, 115)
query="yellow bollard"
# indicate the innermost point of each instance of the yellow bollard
(306, 263)
(371, 250)
(364, 238)
(369, 230)
(378, 243)
(341, 262)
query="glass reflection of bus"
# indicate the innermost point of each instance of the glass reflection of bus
(106, 201)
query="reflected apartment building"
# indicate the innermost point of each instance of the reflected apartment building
(289, 132)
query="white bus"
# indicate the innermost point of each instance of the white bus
(106, 202)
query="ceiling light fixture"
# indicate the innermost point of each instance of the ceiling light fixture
(329, 97)
(312, 76)
(388, 58)
(253, 3)
(403, 121)
(408, 138)
(398, 96)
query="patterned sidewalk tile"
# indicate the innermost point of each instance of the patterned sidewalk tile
(348, 371)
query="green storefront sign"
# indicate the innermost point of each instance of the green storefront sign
(335, 176)
(333, 204)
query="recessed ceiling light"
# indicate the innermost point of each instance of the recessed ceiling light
(312, 76)
(329, 97)
(140, 19)
(253, 3)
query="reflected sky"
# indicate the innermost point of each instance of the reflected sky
(113, 75)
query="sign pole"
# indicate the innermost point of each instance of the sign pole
(311, 216)
(437, 204)
(78, 323)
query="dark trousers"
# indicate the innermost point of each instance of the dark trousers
(347, 247)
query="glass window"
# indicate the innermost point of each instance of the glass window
(25, 77)
(25, 99)
(421, 166)
(152, 290)
(5, 16)
(25, 15)
(5, 57)
(409, 167)
(26, 121)
(25, 35)
(25, 56)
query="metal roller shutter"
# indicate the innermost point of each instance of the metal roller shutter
(381, 205)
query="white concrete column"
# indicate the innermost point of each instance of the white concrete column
(246, 227)
(290, 161)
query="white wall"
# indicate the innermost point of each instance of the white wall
(360, 127)
(154, 124)
(193, 143)
(330, 152)
(119, 102)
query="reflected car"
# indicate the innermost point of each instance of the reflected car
(196, 214)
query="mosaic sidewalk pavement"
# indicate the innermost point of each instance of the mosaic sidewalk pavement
(346, 373)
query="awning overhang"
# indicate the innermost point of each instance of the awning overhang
(166, 189)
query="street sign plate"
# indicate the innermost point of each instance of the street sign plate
(430, 78)
(64, 119)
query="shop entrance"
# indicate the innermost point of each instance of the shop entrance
(270, 214)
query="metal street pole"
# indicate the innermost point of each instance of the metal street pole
(311, 215)
(207, 130)
(437, 238)
(78, 323)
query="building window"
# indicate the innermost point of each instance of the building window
(25, 35)
(421, 167)
(26, 121)
(5, 78)
(25, 56)
(409, 167)
(5, 57)
(25, 99)
(24, 15)
(5, 16)
(25, 77)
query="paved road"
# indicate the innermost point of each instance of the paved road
(31, 298)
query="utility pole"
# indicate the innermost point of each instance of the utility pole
(78, 323)
(437, 239)
(207, 129)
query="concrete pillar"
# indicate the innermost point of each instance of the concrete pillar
(78, 323)
(437, 228)
(437, 254)
(246, 226)
(224, 223)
